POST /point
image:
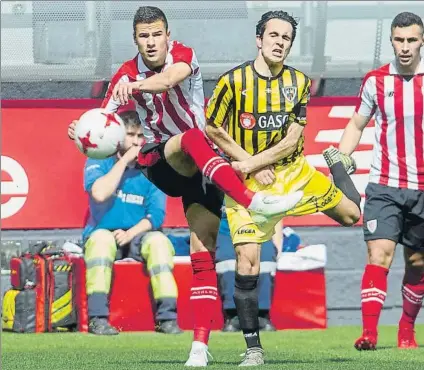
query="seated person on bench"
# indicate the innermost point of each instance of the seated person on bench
(126, 213)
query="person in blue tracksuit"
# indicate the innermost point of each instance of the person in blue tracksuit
(225, 268)
(126, 214)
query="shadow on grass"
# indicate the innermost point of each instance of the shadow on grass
(385, 347)
(268, 362)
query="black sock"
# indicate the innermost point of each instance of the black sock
(246, 300)
(230, 313)
(343, 181)
(264, 314)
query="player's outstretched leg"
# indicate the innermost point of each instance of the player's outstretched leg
(412, 295)
(220, 172)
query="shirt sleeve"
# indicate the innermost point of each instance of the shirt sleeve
(93, 170)
(181, 53)
(155, 207)
(367, 106)
(108, 103)
(299, 112)
(220, 104)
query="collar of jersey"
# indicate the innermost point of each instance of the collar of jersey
(252, 64)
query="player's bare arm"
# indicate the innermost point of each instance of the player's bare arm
(272, 155)
(352, 133)
(105, 186)
(226, 143)
(155, 84)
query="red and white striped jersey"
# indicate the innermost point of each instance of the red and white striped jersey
(171, 112)
(398, 104)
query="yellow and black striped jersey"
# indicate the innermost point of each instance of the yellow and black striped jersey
(256, 110)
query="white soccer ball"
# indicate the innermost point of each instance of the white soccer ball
(99, 134)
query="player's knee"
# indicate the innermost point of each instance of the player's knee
(194, 133)
(248, 259)
(191, 138)
(203, 238)
(203, 244)
(381, 252)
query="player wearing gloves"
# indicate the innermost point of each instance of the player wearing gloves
(394, 204)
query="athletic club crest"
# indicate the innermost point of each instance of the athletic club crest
(372, 226)
(289, 92)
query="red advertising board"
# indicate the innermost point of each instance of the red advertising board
(41, 169)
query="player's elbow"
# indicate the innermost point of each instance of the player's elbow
(168, 84)
(169, 81)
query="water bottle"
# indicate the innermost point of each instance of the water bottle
(291, 240)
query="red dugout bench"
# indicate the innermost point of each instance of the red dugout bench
(299, 298)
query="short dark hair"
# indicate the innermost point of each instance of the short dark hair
(149, 14)
(130, 118)
(275, 14)
(406, 19)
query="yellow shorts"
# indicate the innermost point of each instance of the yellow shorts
(320, 194)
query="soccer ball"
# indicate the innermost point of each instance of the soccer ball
(99, 134)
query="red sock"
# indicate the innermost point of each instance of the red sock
(214, 167)
(204, 294)
(413, 295)
(373, 294)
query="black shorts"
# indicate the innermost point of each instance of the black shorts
(394, 214)
(195, 189)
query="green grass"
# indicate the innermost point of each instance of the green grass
(320, 349)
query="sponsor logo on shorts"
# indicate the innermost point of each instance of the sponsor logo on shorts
(372, 226)
(246, 231)
(328, 198)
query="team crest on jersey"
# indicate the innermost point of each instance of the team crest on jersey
(289, 92)
(372, 226)
(247, 120)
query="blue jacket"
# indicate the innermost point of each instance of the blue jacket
(135, 198)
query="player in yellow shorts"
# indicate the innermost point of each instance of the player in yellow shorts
(256, 115)
(320, 195)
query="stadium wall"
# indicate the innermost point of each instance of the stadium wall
(346, 249)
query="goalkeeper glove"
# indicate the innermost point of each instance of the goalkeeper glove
(348, 163)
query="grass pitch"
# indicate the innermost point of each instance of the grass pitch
(320, 349)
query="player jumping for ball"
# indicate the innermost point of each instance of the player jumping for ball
(165, 81)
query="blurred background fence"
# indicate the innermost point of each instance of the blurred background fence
(88, 40)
